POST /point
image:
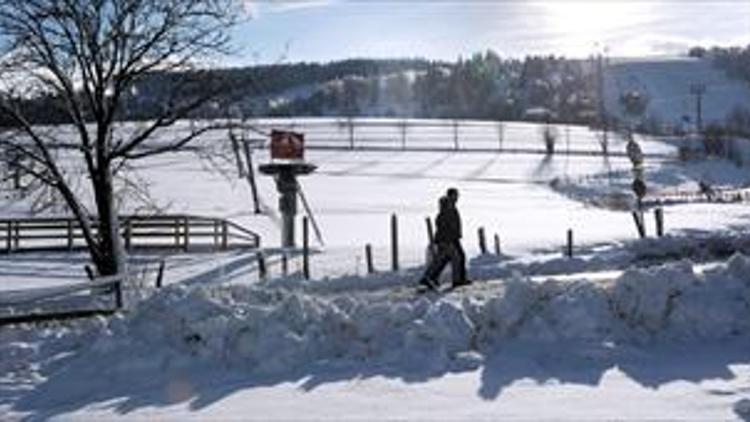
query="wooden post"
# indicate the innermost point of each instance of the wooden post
(394, 242)
(216, 234)
(9, 237)
(261, 265)
(403, 135)
(569, 249)
(177, 233)
(500, 136)
(351, 133)
(659, 215)
(128, 234)
(455, 134)
(368, 258)
(186, 223)
(482, 241)
(497, 245)
(160, 275)
(284, 264)
(70, 235)
(224, 235)
(118, 294)
(17, 235)
(638, 218)
(306, 248)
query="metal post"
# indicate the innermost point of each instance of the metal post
(368, 258)
(497, 245)
(284, 264)
(394, 242)
(306, 248)
(482, 241)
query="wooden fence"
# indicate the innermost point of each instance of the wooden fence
(180, 232)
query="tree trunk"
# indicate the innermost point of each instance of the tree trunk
(112, 252)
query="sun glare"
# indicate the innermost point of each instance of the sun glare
(581, 27)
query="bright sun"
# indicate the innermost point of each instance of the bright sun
(580, 26)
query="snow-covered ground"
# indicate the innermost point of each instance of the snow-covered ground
(664, 323)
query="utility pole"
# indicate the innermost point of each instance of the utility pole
(698, 89)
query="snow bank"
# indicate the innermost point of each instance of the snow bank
(272, 330)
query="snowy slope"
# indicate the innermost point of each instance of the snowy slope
(666, 83)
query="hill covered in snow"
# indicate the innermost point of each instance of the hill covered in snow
(667, 89)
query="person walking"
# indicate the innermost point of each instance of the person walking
(447, 240)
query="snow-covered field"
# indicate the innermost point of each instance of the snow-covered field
(627, 329)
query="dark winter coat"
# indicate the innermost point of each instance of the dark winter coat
(448, 224)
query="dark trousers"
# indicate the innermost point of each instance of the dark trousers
(443, 254)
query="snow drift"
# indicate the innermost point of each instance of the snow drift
(271, 330)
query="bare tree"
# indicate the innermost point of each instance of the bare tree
(88, 57)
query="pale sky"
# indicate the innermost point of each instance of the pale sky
(326, 30)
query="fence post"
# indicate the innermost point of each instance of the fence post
(569, 249)
(482, 241)
(261, 265)
(394, 242)
(186, 245)
(455, 134)
(659, 215)
(9, 237)
(160, 275)
(224, 235)
(368, 258)
(351, 133)
(638, 218)
(118, 294)
(128, 234)
(306, 248)
(403, 135)
(176, 233)
(284, 264)
(497, 245)
(500, 136)
(70, 235)
(17, 235)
